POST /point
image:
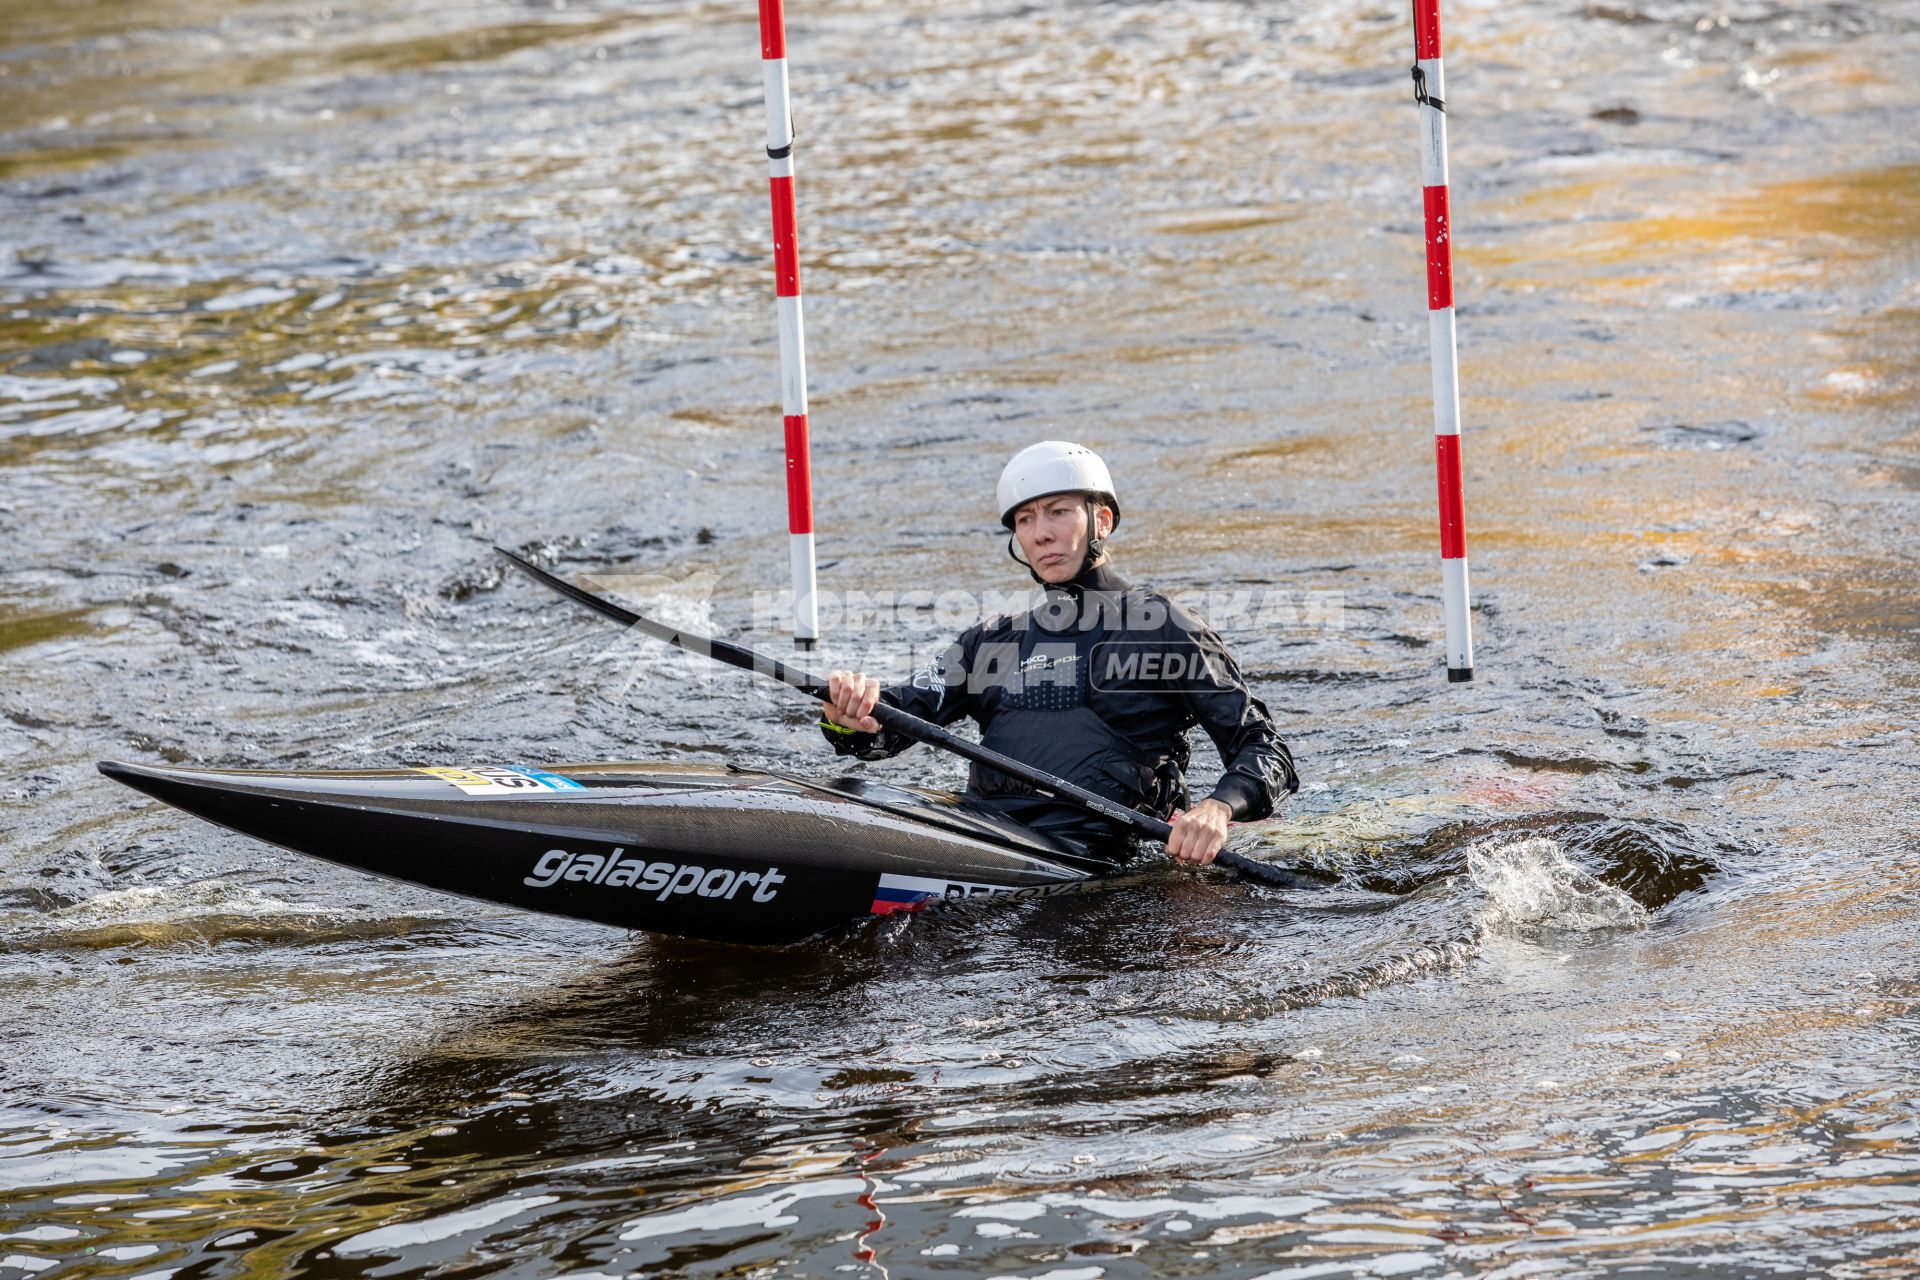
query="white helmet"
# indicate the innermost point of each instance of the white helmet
(1054, 466)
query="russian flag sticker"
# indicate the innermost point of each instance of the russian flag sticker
(905, 893)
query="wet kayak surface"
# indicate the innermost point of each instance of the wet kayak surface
(304, 307)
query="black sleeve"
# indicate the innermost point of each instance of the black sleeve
(1259, 768)
(936, 692)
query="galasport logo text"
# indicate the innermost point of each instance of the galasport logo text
(665, 879)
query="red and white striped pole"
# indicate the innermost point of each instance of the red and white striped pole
(793, 339)
(1429, 93)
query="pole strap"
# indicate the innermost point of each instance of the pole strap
(1420, 94)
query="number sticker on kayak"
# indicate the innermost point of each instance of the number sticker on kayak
(500, 780)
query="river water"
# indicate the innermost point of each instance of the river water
(304, 306)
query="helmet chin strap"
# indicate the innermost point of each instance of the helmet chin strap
(1031, 571)
(1096, 544)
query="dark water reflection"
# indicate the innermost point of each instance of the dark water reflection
(304, 306)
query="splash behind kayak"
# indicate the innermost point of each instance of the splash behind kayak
(688, 850)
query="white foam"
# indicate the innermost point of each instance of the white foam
(191, 911)
(176, 902)
(1533, 884)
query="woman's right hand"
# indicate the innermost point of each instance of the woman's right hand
(851, 697)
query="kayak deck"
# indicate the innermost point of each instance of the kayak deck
(689, 850)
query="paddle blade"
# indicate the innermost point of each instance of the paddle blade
(1266, 872)
(726, 651)
(580, 595)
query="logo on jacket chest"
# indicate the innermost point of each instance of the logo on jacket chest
(1049, 678)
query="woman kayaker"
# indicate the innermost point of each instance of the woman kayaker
(1097, 684)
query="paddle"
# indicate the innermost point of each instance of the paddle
(902, 722)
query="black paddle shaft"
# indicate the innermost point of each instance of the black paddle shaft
(902, 722)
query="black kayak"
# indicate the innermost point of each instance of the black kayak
(694, 851)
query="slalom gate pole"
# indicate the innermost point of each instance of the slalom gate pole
(1429, 95)
(793, 340)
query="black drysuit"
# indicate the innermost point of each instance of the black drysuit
(1098, 684)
